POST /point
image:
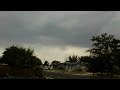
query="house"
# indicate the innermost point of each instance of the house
(51, 67)
(45, 67)
(67, 66)
(54, 66)
(71, 66)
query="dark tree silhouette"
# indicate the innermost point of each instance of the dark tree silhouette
(46, 63)
(85, 59)
(20, 57)
(73, 58)
(55, 63)
(105, 50)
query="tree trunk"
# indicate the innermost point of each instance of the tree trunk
(111, 74)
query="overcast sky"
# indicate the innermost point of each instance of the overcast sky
(55, 34)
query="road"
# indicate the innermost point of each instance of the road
(62, 75)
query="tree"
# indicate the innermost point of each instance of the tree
(55, 63)
(105, 50)
(46, 63)
(90, 63)
(38, 71)
(96, 65)
(18, 56)
(85, 59)
(0, 60)
(73, 58)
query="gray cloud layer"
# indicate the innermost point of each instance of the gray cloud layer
(52, 28)
(56, 34)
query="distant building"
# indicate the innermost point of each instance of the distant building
(71, 66)
(67, 66)
(47, 67)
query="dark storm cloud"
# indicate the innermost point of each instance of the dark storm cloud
(51, 28)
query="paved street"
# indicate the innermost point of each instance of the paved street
(62, 75)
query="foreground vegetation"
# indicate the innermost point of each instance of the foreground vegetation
(7, 71)
(21, 62)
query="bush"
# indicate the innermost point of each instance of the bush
(38, 71)
(6, 71)
(3, 71)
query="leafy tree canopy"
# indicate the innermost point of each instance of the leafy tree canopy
(20, 57)
(46, 63)
(73, 58)
(105, 53)
(55, 62)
